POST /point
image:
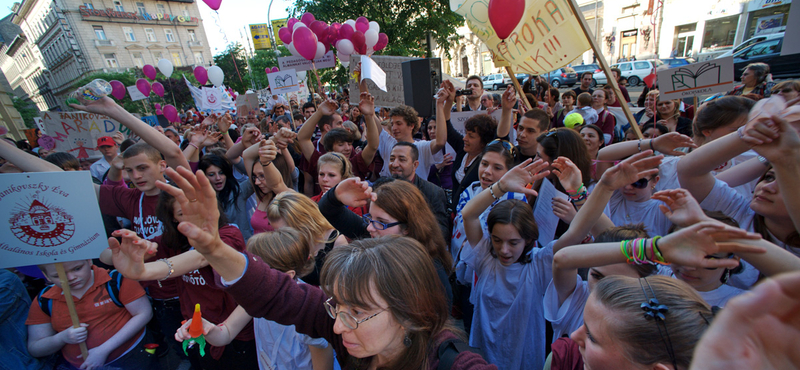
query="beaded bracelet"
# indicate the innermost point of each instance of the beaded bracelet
(491, 190)
(171, 270)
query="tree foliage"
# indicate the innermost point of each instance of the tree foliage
(234, 65)
(407, 23)
(262, 60)
(26, 109)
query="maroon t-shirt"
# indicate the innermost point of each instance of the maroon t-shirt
(200, 286)
(120, 201)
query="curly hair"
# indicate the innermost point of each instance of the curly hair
(484, 125)
(408, 114)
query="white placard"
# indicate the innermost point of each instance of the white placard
(703, 78)
(40, 124)
(283, 81)
(546, 220)
(77, 132)
(212, 98)
(371, 70)
(459, 119)
(135, 93)
(51, 217)
(303, 64)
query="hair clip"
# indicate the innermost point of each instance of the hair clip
(654, 310)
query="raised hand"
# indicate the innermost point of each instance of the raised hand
(251, 136)
(118, 138)
(328, 107)
(446, 161)
(367, 104)
(198, 201)
(509, 98)
(691, 245)
(635, 167)
(224, 123)
(517, 179)
(212, 138)
(680, 207)
(267, 151)
(355, 193)
(569, 175)
(668, 142)
(182, 333)
(784, 146)
(210, 120)
(129, 255)
(103, 105)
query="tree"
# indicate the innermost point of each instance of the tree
(407, 23)
(26, 109)
(265, 59)
(234, 65)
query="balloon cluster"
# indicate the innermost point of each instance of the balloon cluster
(213, 74)
(311, 39)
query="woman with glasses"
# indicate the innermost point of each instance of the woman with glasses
(380, 305)
(262, 162)
(789, 90)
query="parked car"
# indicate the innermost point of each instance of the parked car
(496, 81)
(768, 51)
(749, 42)
(676, 62)
(565, 76)
(521, 77)
(592, 67)
(634, 71)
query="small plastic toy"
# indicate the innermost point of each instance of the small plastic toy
(196, 331)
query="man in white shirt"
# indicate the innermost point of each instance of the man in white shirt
(404, 124)
(108, 147)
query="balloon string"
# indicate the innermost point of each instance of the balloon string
(237, 69)
(217, 21)
(319, 83)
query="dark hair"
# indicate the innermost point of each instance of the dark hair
(721, 112)
(569, 93)
(63, 160)
(590, 73)
(230, 192)
(519, 214)
(615, 69)
(474, 77)
(484, 125)
(599, 133)
(325, 120)
(565, 142)
(309, 105)
(170, 236)
(585, 99)
(661, 128)
(334, 136)
(554, 93)
(414, 150)
(760, 223)
(408, 114)
(143, 148)
(761, 70)
(505, 153)
(540, 116)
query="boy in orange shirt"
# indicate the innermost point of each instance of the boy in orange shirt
(114, 335)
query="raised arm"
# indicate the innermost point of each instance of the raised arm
(441, 129)
(666, 144)
(306, 132)
(218, 335)
(507, 101)
(250, 137)
(265, 152)
(129, 256)
(25, 161)
(373, 133)
(171, 152)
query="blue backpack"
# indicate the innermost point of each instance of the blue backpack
(112, 286)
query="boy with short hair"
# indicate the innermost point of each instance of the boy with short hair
(584, 108)
(114, 335)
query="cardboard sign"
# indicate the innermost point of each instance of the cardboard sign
(548, 36)
(303, 64)
(52, 217)
(135, 94)
(77, 132)
(459, 119)
(283, 81)
(703, 78)
(301, 95)
(39, 124)
(393, 96)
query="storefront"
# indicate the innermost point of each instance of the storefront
(720, 32)
(766, 16)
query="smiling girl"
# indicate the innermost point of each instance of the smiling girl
(232, 194)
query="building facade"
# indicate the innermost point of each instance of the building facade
(79, 37)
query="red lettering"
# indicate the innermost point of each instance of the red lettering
(66, 127)
(79, 125)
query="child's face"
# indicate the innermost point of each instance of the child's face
(79, 275)
(507, 243)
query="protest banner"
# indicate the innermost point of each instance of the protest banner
(459, 119)
(39, 124)
(546, 38)
(78, 131)
(709, 77)
(260, 33)
(392, 67)
(283, 81)
(303, 64)
(158, 120)
(212, 98)
(135, 94)
(373, 72)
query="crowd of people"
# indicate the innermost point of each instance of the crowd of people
(325, 235)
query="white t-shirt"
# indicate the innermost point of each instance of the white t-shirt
(569, 316)
(719, 297)
(271, 103)
(99, 168)
(426, 157)
(622, 212)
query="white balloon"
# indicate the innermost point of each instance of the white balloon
(371, 37)
(346, 64)
(345, 46)
(320, 50)
(215, 75)
(293, 50)
(298, 25)
(352, 23)
(301, 75)
(343, 58)
(374, 26)
(165, 66)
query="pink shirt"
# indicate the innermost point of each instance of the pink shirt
(260, 222)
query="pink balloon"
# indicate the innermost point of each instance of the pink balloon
(275, 69)
(359, 42)
(159, 112)
(362, 19)
(285, 35)
(143, 86)
(201, 74)
(383, 40)
(307, 19)
(158, 88)
(149, 72)
(170, 113)
(346, 32)
(213, 4)
(333, 32)
(157, 105)
(305, 42)
(290, 23)
(117, 89)
(362, 26)
(318, 27)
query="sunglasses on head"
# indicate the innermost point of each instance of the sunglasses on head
(506, 144)
(641, 183)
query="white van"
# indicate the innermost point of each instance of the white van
(748, 42)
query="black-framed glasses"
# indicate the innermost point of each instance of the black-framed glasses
(347, 319)
(641, 183)
(377, 224)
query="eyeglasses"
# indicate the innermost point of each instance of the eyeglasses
(377, 224)
(347, 319)
(641, 183)
(506, 144)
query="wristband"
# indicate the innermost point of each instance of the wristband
(265, 165)
(195, 146)
(763, 160)
(171, 270)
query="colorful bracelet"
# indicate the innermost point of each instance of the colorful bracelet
(623, 246)
(579, 190)
(658, 258)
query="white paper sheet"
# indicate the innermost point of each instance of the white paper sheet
(546, 220)
(371, 70)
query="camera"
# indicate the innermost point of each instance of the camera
(463, 92)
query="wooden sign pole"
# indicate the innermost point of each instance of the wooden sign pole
(519, 88)
(598, 52)
(73, 314)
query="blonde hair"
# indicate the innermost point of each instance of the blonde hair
(284, 249)
(353, 128)
(301, 213)
(340, 161)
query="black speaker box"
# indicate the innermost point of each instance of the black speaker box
(421, 80)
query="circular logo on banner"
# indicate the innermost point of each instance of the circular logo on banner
(42, 226)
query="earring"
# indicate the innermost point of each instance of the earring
(407, 341)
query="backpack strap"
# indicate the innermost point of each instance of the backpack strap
(449, 350)
(113, 285)
(46, 304)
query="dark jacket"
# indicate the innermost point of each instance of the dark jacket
(437, 200)
(456, 140)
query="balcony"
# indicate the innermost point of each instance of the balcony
(195, 44)
(105, 45)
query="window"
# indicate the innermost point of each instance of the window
(720, 32)
(170, 36)
(129, 36)
(88, 5)
(766, 47)
(118, 6)
(151, 34)
(642, 65)
(186, 11)
(138, 60)
(98, 31)
(161, 9)
(625, 67)
(111, 60)
(198, 58)
(141, 7)
(176, 59)
(158, 55)
(192, 35)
